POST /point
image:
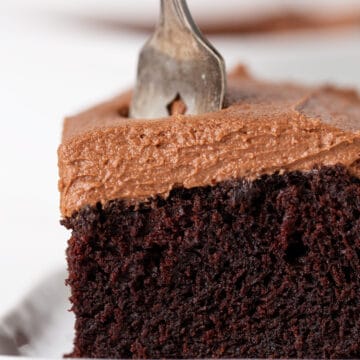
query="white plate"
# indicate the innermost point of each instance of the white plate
(41, 325)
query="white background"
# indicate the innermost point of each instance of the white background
(55, 60)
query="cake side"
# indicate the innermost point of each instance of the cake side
(242, 269)
(265, 128)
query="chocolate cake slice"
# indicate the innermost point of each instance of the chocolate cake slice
(228, 234)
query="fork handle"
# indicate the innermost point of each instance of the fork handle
(176, 13)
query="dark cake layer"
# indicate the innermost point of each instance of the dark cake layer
(269, 268)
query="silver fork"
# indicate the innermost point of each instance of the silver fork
(178, 63)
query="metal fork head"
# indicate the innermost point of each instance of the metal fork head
(178, 62)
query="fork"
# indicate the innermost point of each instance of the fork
(178, 64)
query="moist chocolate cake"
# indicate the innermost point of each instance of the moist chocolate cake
(228, 234)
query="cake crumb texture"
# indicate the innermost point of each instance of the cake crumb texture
(268, 268)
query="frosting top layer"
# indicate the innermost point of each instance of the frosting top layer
(264, 128)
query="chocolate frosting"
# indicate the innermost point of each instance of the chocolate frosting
(265, 128)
